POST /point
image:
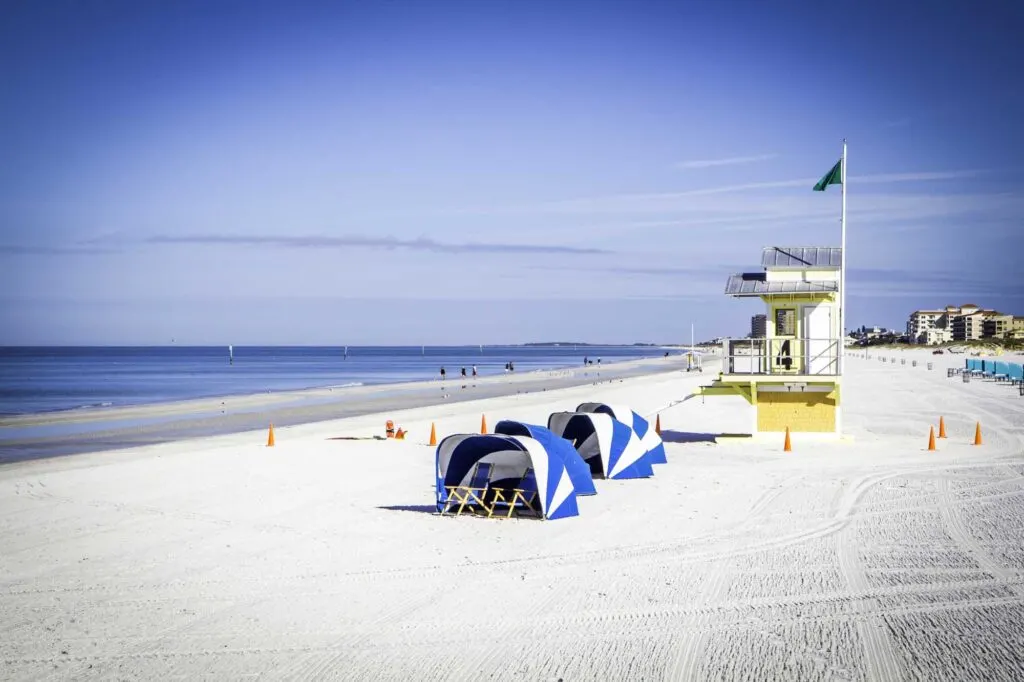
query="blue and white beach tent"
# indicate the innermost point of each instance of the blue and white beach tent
(510, 458)
(609, 447)
(579, 471)
(649, 438)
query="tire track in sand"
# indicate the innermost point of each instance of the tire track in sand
(689, 651)
(954, 524)
(879, 657)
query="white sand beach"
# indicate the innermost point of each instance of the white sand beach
(220, 558)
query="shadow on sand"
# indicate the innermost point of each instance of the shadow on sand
(421, 508)
(687, 437)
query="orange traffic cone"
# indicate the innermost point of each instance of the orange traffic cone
(977, 434)
(657, 425)
(942, 428)
(483, 423)
(270, 437)
(433, 435)
(788, 447)
(931, 437)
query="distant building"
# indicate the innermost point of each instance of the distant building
(936, 326)
(922, 322)
(970, 326)
(955, 323)
(1002, 327)
(758, 326)
(967, 322)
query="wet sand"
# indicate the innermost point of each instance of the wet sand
(34, 436)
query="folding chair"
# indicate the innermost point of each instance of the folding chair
(524, 495)
(471, 495)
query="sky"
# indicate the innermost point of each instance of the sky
(494, 172)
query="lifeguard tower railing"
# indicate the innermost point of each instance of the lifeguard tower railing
(783, 356)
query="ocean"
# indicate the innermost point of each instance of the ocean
(47, 379)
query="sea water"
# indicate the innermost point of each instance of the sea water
(45, 379)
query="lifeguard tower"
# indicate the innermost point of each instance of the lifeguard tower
(792, 376)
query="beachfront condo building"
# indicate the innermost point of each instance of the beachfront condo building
(959, 323)
(971, 326)
(791, 375)
(1002, 327)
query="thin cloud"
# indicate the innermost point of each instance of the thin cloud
(899, 279)
(358, 241)
(654, 202)
(879, 179)
(728, 161)
(654, 271)
(34, 250)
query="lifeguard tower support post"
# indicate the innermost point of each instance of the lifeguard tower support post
(791, 377)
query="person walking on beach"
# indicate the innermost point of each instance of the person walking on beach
(463, 372)
(474, 370)
(442, 374)
(511, 367)
(584, 360)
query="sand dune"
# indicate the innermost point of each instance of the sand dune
(319, 559)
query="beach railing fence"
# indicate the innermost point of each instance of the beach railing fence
(781, 356)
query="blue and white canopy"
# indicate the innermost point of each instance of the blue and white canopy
(579, 471)
(510, 458)
(649, 438)
(609, 447)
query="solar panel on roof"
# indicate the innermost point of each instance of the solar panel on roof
(755, 284)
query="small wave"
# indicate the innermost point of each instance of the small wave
(351, 384)
(90, 406)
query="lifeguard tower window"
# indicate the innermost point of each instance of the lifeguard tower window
(785, 322)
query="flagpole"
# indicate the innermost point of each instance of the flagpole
(842, 275)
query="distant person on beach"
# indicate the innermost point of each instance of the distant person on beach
(442, 374)
(599, 361)
(511, 367)
(506, 367)
(463, 372)
(474, 370)
(585, 360)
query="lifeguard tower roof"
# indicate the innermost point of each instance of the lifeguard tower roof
(801, 257)
(788, 258)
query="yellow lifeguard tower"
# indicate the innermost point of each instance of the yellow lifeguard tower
(792, 376)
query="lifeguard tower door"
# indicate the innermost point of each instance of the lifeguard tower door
(817, 324)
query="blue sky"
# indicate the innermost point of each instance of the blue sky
(487, 172)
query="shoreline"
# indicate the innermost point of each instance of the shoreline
(57, 434)
(102, 409)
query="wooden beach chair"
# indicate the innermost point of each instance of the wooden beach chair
(523, 496)
(472, 497)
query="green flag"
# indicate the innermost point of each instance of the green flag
(833, 177)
